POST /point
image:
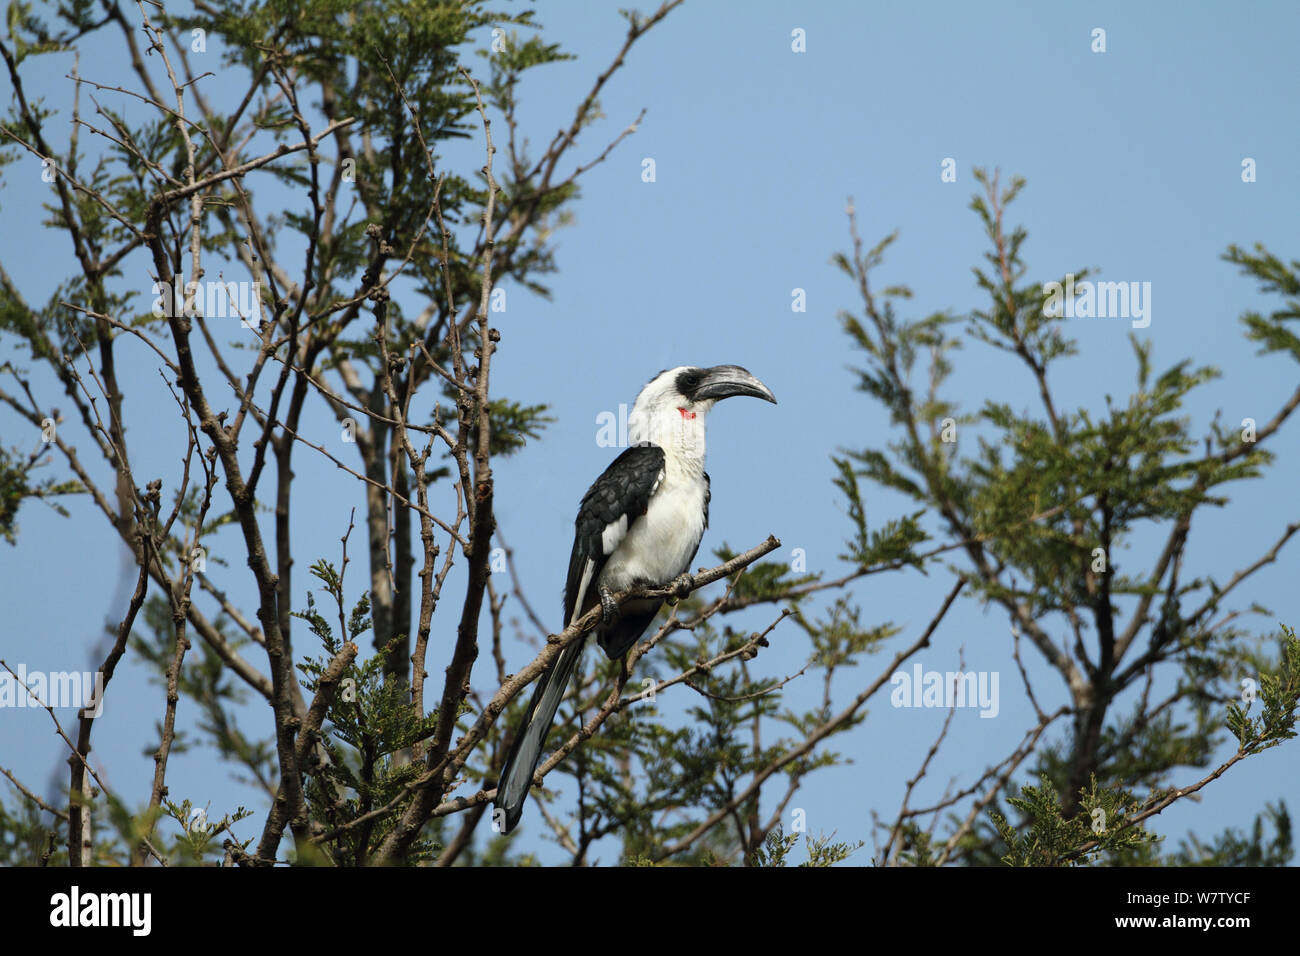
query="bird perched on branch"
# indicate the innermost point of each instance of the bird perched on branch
(640, 524)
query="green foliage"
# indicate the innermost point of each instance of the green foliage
(1105, 829)
(918, 847)
(1279, 694)
(762, 580)
(17, 485)
(1276, 277)
(198, 836)
(1047, 505)
(364, 758)
(30, 836)
(29, 34)
(1234, 848)
(1052, 837)
(653, 779)
(893, 543)
(513, 424)
(1028, 496)
(821, 851)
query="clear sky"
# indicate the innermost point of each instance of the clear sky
(1133, 159)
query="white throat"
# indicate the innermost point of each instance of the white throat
(679, 432)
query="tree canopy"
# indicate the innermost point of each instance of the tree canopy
(320, 233)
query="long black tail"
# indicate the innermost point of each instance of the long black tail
(517, 774)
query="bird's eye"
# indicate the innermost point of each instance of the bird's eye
(689, 381)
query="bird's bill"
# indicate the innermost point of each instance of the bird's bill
(724, 381)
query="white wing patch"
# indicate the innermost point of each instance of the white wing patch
(616, 531)
(587, 568)
(613, 535)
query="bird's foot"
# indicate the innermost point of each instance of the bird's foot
(681, 585)
(608, 608)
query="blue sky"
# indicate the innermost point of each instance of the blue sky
(1133, 160)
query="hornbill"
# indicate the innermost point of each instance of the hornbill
(639, 524)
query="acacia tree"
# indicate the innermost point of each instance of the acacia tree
(169, 201)
(1042, 510)
(331, 156)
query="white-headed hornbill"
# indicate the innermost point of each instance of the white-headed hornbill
(640, 524)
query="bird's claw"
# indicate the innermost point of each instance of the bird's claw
(608, 608)
(682, 584)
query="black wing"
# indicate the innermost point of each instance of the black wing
(708, 494)
(611, 505)
(617, 639)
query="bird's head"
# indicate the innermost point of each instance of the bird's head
(672, 407)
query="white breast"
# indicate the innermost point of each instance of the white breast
(660, 544)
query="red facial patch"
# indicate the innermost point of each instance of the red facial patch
(685, 413)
